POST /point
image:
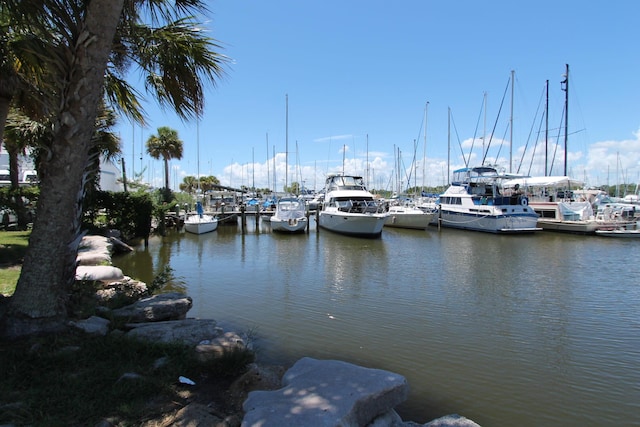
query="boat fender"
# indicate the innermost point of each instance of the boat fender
(524, 201)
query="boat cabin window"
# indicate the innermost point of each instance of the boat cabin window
(448, 200)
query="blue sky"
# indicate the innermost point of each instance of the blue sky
(358, 76)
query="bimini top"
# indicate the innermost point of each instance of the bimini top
(481, 170)
(543, 181)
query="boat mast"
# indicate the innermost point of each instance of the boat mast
(565, 82)
(424, 155)
(511, 125)
(268, 171)
(546, 133)
(198, 152)
(448, 144)
(286, 150)
(275, 183)
(367, 171)
(484, 130)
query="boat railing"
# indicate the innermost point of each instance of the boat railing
(359, 206)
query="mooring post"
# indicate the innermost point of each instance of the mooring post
(243, 218)
(258, 216)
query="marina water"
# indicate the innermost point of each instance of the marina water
(507, 330)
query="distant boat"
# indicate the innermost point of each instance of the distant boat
(290, 216)
(405, 215)
(350, 209)
(619, 232)
(473, 202)
(200, 223)
(559, 209)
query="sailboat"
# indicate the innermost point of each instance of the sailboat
(200, 223)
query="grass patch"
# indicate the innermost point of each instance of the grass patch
(74, 380)
(13, 246)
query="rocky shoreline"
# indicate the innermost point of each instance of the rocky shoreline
(310, 393)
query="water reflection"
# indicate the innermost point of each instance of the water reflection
(507, 330)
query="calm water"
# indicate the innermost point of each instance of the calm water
(532, 330)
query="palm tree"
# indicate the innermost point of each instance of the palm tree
(207, 183)
(166, 146)
(189, 184)
(79, 43)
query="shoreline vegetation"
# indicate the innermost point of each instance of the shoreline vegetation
(78, 379)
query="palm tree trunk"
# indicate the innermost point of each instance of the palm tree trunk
(39, 302)
(166, 173)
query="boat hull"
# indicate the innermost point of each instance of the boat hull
(490, 223)
(200, 225)
(352, 224)
(291, 225)
(228, 218)
(416, 221)
(620, 233)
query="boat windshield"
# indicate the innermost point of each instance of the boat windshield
(346, 183)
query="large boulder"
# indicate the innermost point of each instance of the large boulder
(156, 308)
(187, 331)
(453, 420)
(95, 243)
(219, 346)
(102, 273)
(327, 393)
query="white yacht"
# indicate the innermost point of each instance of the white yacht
(349, 208)
(473, 202)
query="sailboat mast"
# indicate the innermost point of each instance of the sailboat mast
(424, 155)
(511, 125)
(484, 129)
(286, 150)
(546, 133)
(275, 183)
(448, 144)
(566, 116)
(367, 171)
(268, 171)
(198, 152)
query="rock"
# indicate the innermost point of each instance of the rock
(227, 342)
(94, 325)
(168, 306)
(119, 245)
(95, 243)
(121, 292)
(256, 378)
(390, 418)
(453, 420)
(326, 393)
(188, 331)
(93, 258)
(104, 273)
